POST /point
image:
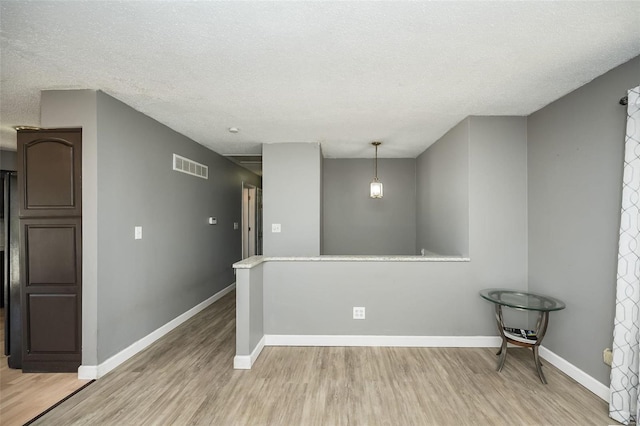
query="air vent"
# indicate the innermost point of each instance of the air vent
(190, 167)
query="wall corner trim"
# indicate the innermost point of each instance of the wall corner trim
(97, 371)
(245, 362)
(575, 373)
(87, 372)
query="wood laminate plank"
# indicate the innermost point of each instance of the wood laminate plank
(187, 378)
(25, 395)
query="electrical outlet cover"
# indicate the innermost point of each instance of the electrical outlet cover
(358, 312)
(607, 356)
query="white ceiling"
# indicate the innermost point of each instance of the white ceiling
(339, 73)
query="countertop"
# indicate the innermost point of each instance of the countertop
(253, 261)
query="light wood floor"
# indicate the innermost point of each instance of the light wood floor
(25, 395)
(187, 378)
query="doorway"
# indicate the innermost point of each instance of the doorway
(251, 220)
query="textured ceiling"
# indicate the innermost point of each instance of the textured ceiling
(339, 73)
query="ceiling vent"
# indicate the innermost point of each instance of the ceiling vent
(190, 167)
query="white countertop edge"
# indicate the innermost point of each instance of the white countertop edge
(249, 262)
(256, 260)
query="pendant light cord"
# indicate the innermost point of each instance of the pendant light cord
(376, 164)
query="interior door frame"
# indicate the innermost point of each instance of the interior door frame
(251, 226)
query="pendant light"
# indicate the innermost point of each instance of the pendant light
(376, 185)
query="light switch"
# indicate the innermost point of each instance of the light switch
(137, 232)
(213, 221)
(276, 227)
(235, 225)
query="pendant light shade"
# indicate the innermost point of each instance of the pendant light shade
(376, 190)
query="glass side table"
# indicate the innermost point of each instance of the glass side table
(524, 302)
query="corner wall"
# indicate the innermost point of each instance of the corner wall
(354, 223)
(498, 200)
(575, 159)
(292, 194)
(442, 182)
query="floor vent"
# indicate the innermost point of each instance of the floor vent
(190, 167)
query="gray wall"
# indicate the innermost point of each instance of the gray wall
(249, 313)
(292, 190)
(415, 298)
(442, 207)
(181, 260)
(8, 160)
(354, 223)
(401, 299)
(575, 158)
(498, 200)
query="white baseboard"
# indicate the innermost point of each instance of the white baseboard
(575, 373)
(97, 371)
(87, 372)
(386, 341)
(242, 362)
(245, 362)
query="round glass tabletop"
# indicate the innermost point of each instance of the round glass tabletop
(522, 300)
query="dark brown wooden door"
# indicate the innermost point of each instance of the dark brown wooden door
(49, 182)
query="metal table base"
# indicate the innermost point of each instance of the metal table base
(541, 329)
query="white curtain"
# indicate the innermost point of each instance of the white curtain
(624, 391)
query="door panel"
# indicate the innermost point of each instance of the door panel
(49, 180)
(50, 316)
(51, 163)
(51, 254)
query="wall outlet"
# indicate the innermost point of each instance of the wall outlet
(137, 232)
(358, 312)
(607, 356)
(276, 227)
